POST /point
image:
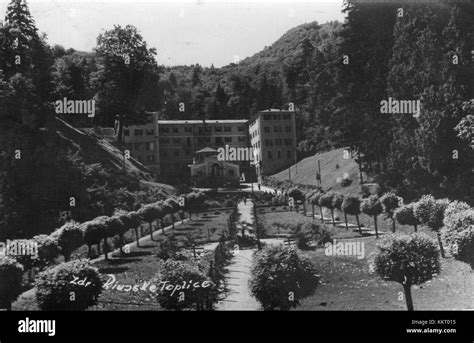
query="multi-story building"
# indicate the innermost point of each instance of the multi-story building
(168, 147)
(273, 138)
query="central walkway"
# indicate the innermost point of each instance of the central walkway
(238, 294)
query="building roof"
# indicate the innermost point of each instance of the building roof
(207, 149)
(225, 121)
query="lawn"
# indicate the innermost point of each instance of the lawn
(139, 265)
(348, 283)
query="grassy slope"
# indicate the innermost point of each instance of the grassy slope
(93, 149)
(333, 167)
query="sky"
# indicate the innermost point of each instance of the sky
(183, 32)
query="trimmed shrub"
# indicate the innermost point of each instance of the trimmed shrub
(458, 237)
(69, 237)
(406, 216)
(61, 288)
(177, 273)
(430, 212)
(11, 277)
(296, 194)
(372, 207)
(451, 218)
(278, 272)
(390, 202)
(351, 205)
(48, 250)
(408, 260)
(229, 203)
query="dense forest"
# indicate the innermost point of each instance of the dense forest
(336, 75)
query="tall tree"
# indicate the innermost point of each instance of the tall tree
(125, 65)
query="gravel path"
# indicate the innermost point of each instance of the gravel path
(237, 296)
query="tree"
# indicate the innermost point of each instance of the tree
(69, 237)
(115, 227)
(74, 285)
(337, 203)
(430, 212)
(326, 200)
(150, 213)
(408, 260)
(93, 233)
(126, 64)
(372, 207)
(127, 224)
(11, 278)
(135, 222)
(281, 279)
(390, 202)
(171, 207)
(351, 205)
(405, 215)
(315, 201)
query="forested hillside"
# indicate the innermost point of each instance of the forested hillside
(336, 75)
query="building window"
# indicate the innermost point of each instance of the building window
(136, 146)
(278, 142)
(227, 128)
(276, 117)
(218, 140)
(138, 132)
(164, 140)
(228, 139)
(188, 141)
(126, 132)
(278, 154)
(241, 139)
(268, 142)
(240, 128)
(139, 158)
(277, 128)
(266, 129)
(149, 132)
(288, 154)
(267, 117)
(288, 141)
(270, 155)
(231, 173)
(175, 130)
(177, 140)
(176, 153)
(164, 129)
(188, 129)
(218, 129)
(164, 153)
(150, 159)
(188, 152)
(288, 128)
